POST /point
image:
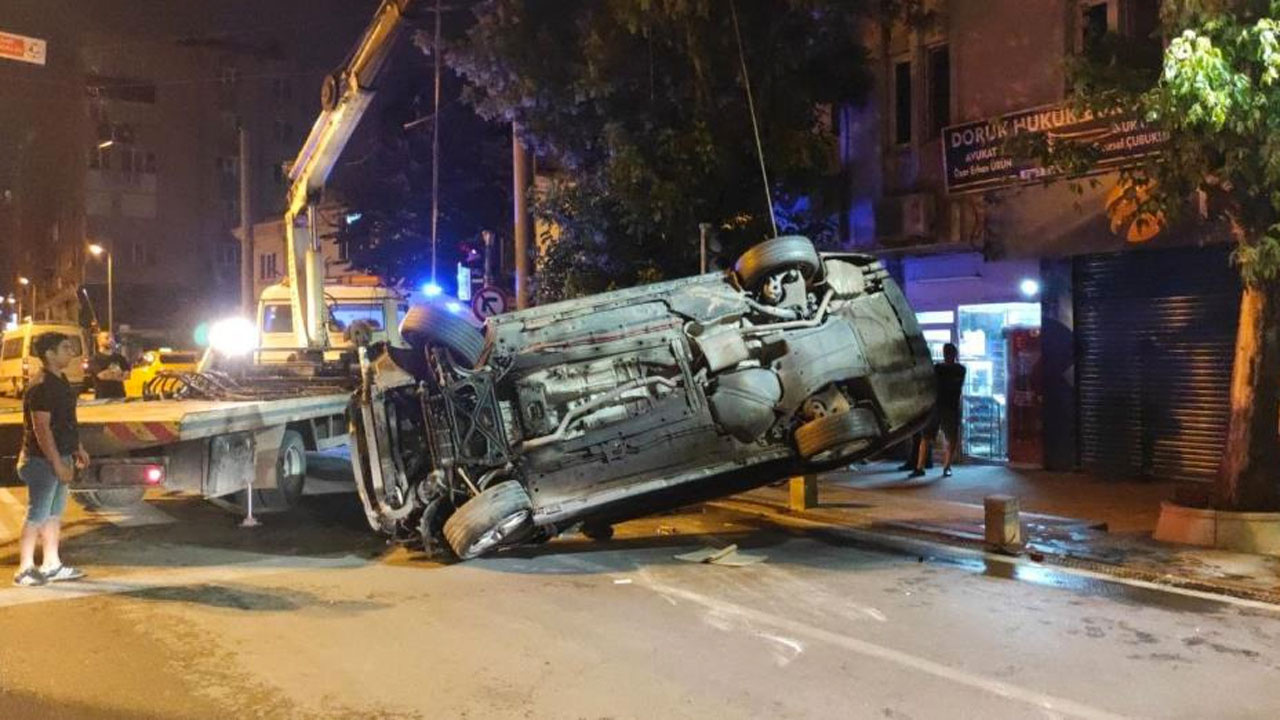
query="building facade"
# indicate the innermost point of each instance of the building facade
(1084, 349)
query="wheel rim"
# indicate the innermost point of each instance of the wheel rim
(498, 533)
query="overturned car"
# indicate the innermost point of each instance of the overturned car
(604, 408)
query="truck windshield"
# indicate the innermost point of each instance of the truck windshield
(345, 313)
(277, 318)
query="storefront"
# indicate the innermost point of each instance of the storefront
(991, 312)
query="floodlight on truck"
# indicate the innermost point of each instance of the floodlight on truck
(233, 337)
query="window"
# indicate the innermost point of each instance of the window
(277, 318)
(343, 314)
(230, 75)
(939, 83)
(12, 349)
(1094, 23)
(267, 266)
(902, 103)
(141, 253)
(229, 254)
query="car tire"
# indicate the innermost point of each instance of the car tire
(433, 325)
(771, 256)
(836, 436)
(109, 498)
(291, 477)
(501, 514)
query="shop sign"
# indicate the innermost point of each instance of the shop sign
(975, 157)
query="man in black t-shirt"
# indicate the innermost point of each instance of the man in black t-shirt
(51, 453)
(108, 369)
(950, 380)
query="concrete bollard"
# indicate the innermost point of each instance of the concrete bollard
(804, 492)
(1003, 526)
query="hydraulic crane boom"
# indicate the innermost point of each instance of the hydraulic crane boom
(346, 96)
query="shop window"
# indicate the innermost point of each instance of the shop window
(984, 352)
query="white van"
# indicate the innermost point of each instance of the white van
(382, 307)
(18, 367)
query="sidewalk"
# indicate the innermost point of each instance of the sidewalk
(1068, 519)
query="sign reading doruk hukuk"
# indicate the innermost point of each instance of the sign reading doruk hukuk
(974, 157)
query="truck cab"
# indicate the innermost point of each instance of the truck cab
(360, 304)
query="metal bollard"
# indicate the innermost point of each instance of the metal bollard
(1003, 526)
(804, 492)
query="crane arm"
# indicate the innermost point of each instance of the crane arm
(345, 97)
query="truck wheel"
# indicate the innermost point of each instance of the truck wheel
(291, 476)
(109, 498)
(836, 436)
(433, 325)
(771, 256)
(500, 514)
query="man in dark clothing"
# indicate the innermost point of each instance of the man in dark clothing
(51, 453)
(108, 369)
(950, 376)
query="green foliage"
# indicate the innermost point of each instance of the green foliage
(1217, 92)
(640, 106)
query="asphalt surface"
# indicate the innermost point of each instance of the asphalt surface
(187, 615)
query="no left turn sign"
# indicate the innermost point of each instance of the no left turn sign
(489, 301)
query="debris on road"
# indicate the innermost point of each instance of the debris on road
(728, 556)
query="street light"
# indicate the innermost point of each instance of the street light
(99, 251)
(24, 282)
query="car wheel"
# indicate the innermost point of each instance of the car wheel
(433, 325)
(109, 498)
(772, 256)
(501, 514)
(836, 436)
(291, 477)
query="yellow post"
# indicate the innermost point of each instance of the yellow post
(804, 492)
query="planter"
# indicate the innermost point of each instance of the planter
(1251, 532)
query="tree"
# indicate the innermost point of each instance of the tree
(640, 105)
(1216, 92)
(385, 180)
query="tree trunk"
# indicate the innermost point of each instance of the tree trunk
(1249, 477)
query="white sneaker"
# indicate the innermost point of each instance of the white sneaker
(62, 573)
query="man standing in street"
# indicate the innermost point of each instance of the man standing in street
(108, 368)
(950, 376)
(51, 453)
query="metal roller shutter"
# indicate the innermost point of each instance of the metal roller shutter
(1155, 333)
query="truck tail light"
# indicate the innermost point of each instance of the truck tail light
(154, 474)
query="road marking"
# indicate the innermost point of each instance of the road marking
(265, 565)
(1049, 703)
(12, 516)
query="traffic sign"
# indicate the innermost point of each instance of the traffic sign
(22, 48)
(489, 301)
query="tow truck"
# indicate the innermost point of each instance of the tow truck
(246, 429)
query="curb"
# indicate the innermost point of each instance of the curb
(1035, 553)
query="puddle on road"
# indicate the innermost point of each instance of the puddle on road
(1095, 587)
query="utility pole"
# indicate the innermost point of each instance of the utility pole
(248, 302)
(703, 229)
(520, 187)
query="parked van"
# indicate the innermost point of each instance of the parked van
(17, 367)
(379, 307)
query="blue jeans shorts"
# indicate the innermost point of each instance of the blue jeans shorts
(46, 494)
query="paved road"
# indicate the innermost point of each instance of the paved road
(310, 616)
